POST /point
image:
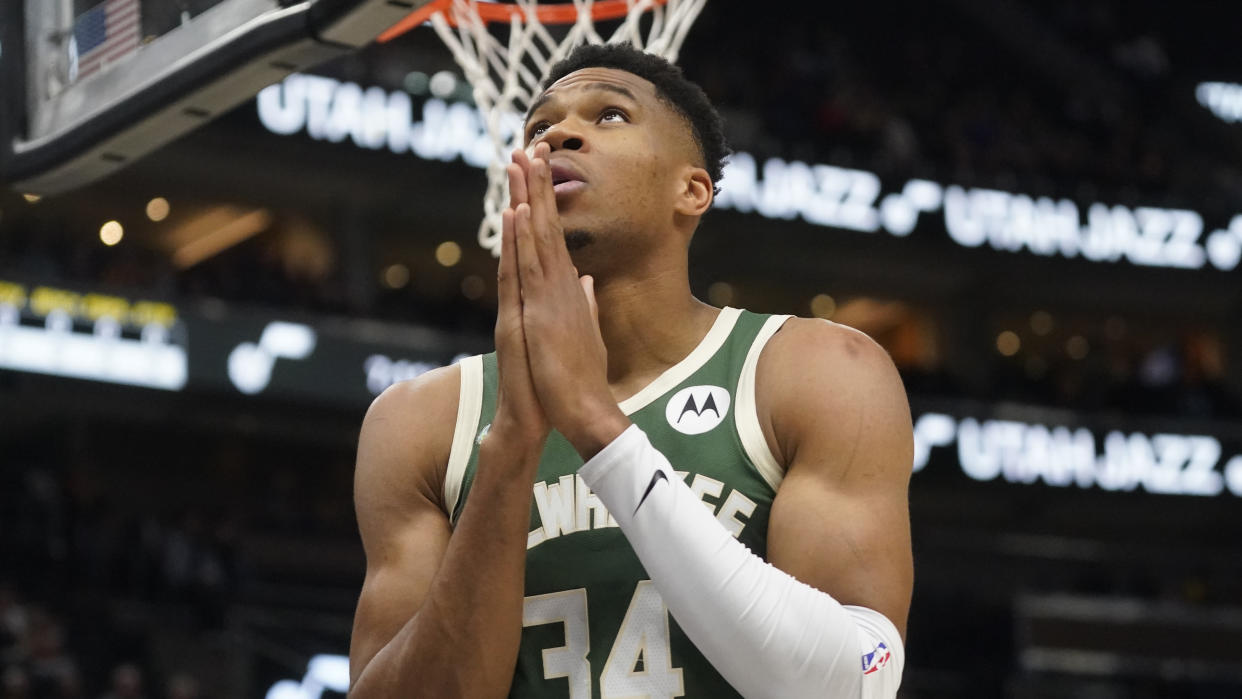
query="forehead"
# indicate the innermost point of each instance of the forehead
(590, 79)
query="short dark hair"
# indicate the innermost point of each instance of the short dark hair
(671, 86)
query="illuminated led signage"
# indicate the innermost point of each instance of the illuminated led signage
(250, 364)
(333, 111)
(383, 371)
(825, 195)
(323, 673)
(1222, 99)
(98, 337)
(1024, 453)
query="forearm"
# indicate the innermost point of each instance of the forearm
(768, 634)
(464, 639)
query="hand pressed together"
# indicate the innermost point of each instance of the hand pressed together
(559, 329)
(518, 413)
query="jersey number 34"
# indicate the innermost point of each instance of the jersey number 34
(643, 637)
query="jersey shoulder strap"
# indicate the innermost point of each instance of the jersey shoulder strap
(471, 398)
(746, 413)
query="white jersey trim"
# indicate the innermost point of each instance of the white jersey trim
(469, 408)
(746, 412)
(674, 375)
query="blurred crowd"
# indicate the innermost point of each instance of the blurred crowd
(120, 583)
(70, 567)
(1181, 375)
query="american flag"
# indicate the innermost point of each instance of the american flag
(104, 34)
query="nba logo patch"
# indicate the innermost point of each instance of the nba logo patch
(697, 409)
(876, 659)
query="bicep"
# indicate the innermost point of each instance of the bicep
(404, 530)
(402, 560)
(840, 521)
(854, 547)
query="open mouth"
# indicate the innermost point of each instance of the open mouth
(566, 179)
(567, 187)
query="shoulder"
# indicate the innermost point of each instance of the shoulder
(431, 389)
(406, 437)
(827, 385)
(824, 346)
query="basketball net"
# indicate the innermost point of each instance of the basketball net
(506, 75)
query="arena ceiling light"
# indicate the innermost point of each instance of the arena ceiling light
(214, 232)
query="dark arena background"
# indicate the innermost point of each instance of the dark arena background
(1035, 207)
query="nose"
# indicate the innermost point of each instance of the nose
(571, 143)
(563, 136)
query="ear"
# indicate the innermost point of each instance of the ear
(695, 196)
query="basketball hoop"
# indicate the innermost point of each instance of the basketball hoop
(506, 74)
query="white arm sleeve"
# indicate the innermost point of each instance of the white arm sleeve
(767, 633)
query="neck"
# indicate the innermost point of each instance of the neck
(649, 322)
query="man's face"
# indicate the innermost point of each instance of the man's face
(617, 153)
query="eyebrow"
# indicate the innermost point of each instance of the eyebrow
(597, 86)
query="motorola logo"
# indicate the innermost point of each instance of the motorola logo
(697, 409)
(250, 364)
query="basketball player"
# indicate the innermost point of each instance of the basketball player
(637, 494)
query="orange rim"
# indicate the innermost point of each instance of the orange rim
(503, 12)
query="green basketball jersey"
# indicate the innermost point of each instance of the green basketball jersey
(593, 624)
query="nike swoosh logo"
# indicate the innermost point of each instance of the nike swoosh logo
(655, 478)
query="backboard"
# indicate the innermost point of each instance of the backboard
(88, 86)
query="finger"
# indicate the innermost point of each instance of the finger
(534, 195)
(588, 288)
(508, 290)
(547, 192)
(521, 159)
(546, 219)
(544, 152)
(539, 173)
(530, 272)
(517, 185)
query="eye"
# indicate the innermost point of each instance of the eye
(613, 114)
(536, 130)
